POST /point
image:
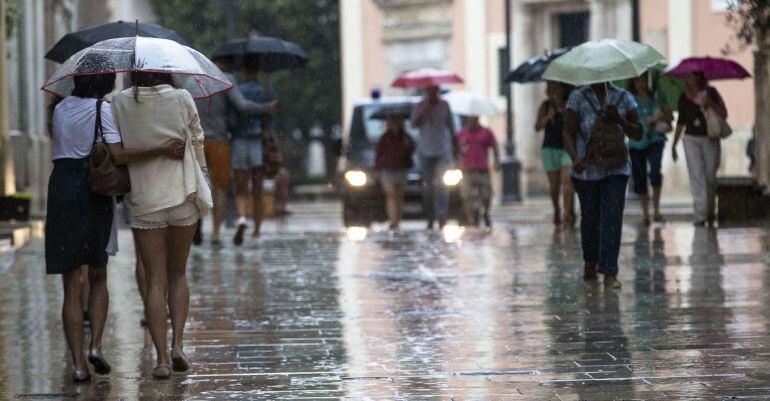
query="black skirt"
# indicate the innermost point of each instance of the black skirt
(78, 222)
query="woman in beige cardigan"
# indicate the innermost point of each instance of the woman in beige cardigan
(165, 202)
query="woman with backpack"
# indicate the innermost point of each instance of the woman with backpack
(597, 119)
(656, 117)
(702, 151)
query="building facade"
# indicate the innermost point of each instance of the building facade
(382, 38)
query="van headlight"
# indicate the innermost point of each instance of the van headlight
(356, 178)
(452, 177)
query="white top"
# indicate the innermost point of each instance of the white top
(73, 127)
(161, 113)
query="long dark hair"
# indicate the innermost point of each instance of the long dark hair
(93, 85)
(651, 89)
(150, 79)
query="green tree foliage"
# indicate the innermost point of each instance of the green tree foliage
(751, 20)
(307, 96)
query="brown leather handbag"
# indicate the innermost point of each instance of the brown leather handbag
(107, 178)
(607, 145)
(273, 159)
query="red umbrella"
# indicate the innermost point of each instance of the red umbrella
(713, 68)
(426, 77)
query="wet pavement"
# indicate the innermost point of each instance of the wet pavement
(314, 312)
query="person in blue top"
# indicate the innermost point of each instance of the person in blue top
(656, 117)
(601, 190)
(247, 152)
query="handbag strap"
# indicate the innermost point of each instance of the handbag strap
(597, 110)
(98, 130)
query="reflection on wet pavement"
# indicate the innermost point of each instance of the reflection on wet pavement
(455, 315)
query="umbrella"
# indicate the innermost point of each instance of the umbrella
(275, 54)
(532, 69)
(602, 61)
(74, 42)
(403, 110)
(713, 68)
(192, 70)
(425, 77)
(672, 87)
(471, 104)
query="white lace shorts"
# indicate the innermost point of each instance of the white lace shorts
(182, 215)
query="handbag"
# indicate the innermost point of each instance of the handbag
(107, 178)
(607, 146)
(716, 126)
(273, 159)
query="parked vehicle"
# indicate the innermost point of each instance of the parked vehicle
(362, 196)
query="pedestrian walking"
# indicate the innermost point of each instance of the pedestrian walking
(393, 160)
(475, 141)
(596, 119)
(214, 113)
(79, 222)
(247, 150)
(647, 154)
(556, 161)
(702, 151)
(436, 148)
(167, 198)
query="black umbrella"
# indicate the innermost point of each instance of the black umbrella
(403, 110)
(532, 70)
(74, 42)
(275, 54)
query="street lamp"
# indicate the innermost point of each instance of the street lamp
(510, 165)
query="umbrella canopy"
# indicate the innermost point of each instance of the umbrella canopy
(602, 61)
(471, 104)
(672, 87)
(192, 70)
(403, 110)
(712, 68)
(425, 78)
(532, 70)
(74, 42)
(275, 54)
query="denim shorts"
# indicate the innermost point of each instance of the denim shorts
(246, 152)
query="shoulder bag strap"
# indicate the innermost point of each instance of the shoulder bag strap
(596, 110)
(98, 131)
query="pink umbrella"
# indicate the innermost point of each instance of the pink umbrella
(426, 77)
(713, 68)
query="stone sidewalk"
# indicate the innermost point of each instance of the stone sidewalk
(314, 312)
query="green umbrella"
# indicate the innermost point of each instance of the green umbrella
(672, 87)
(602, 61)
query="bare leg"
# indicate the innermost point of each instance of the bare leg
(645, 201)
(72, 317)
(399, 193)
(84, 290)
(141, 276)
(241, 202)
(656, 203)
(98, 304)
(218, 215)
(178, 240)
(257, 189)
(554, 186)
(152, 246)
(568, 194)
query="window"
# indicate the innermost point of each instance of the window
(573, 28)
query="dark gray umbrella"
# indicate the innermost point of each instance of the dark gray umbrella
(403, 110)
(532, 70)
(74, 42)
(275, 54)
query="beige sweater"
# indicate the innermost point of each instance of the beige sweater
(162, 113)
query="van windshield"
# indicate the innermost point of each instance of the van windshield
(375, 128)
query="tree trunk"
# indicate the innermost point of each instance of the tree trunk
(762, 117)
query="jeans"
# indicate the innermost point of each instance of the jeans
(652, 155)
(703, 156)
(434, 193)
(601, 222)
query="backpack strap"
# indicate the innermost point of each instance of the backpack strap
(98, 130)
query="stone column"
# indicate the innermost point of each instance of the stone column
(598, 23)
(8, 176)
(351, 33)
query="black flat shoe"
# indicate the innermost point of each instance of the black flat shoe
(161, 372)
(100, 364)
(179, 361)
(80, 376)
(239, 233)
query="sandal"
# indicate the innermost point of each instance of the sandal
(179, 361)
(162, 371)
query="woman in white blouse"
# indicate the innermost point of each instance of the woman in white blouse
(167, 198)
(78, 221)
